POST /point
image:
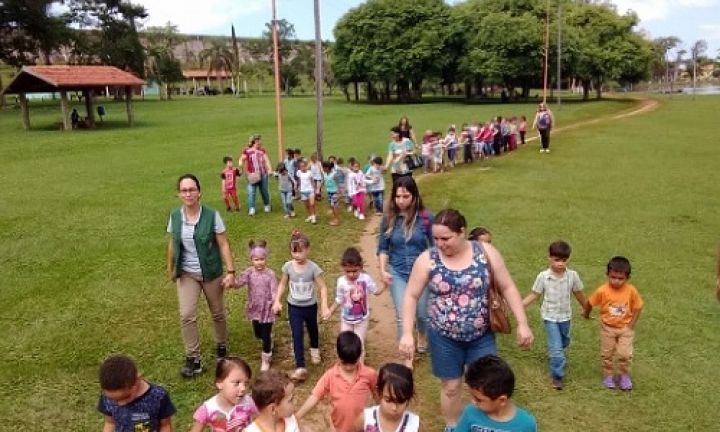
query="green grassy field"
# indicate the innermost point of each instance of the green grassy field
(82, 260)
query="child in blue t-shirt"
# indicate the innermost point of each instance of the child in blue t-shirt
(128, 402)
(491, 383)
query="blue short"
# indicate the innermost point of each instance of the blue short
(332, 199)
(304, 196)
(449, 357)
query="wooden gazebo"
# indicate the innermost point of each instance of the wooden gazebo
(62, 79)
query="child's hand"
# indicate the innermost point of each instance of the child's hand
(381, 289)
(326, 313)
(277, 308)
(386, 277)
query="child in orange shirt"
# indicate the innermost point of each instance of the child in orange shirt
(620, 307)
(349, 384)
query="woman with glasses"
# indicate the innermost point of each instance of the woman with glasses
(196, 252)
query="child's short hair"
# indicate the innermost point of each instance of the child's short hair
(619, 264)
(269, 388)
(298, 241)
(227, 364)
(340, 161)
(492, 376)
(290, 152)
(297, 151)
(351, 160)
(351, 257)
(281, 168)
(559, 249)
(377, 160)
(227, 159)
(476, 232)
(349, 347)
(398, 379)
(118, 372)
(327, 165)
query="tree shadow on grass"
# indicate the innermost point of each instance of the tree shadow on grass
(106, 125)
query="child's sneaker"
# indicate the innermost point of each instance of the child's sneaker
(315, 356)
(265, 361)
(192, 367)
(609, 382)
(251, 211)
(286, 216)
(557, 383)
(625, 383)
(313, 220)
(349, 208)
(267, 209)
(292, 214)
(308, 219)
(361, 216)
(300, 374)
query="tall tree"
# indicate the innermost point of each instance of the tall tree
(30, 32)
(218, 57)
(163, 67)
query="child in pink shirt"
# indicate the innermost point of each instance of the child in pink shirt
(349, 384)
(231, 409)
(229, 184)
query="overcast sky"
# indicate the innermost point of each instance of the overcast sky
(688, 19)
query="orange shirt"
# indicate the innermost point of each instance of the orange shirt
(616, 304)
(347, 398)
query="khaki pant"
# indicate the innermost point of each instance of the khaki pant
(616, 341)
(189, 287)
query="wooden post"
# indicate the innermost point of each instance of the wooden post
(25, 108)
(64, 108)
(89, 108)
(128, 105)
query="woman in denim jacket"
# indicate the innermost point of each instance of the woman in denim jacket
(405, 232)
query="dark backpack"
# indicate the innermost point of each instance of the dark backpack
(544, 121)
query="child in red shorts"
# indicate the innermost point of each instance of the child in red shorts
(229, 184)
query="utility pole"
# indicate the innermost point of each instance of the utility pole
(559, 51)
(276, 71)
(547, 49)
(318, 82)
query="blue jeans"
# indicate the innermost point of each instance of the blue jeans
(299, 315)
(397, 291)
(558, 338)
(287, 202)
(378, 200)
(264, 192)
(449, 357)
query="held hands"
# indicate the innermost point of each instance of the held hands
(228, 281)
(326, 313)
(277, 308)
(385, 277)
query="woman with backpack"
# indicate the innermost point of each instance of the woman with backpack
(544, 122)
(404, 234)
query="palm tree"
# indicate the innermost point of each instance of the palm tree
(219, 58)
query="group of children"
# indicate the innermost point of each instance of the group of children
(477, 141)
(127, 400)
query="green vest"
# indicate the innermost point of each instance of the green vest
(204, 236)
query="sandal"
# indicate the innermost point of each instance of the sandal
(421, 349)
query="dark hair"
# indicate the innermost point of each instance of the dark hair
(351, 160)
(227, 159)
(619, 264)
(407, 122)
(492, 376)
(340, 161)
(351, 257)
(188, 176)
(269, 388)
(477, 232)
(281, 168)
(298, 241)
(118, 372)
(452, 219)
(327, 165)
(398, 379)
(290, 152)
(227, 364)
(332, 158)
(349, 347)
(559, 249)
(377, 160)
(395, 129)
(407, 183)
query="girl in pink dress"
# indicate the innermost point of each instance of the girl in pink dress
(262, 287)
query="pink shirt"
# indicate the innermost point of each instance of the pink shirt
(229, 175)
(347, 398)
(238, 418)
(262, 288)
(255, 161)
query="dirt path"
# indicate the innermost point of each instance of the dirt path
(381, 337)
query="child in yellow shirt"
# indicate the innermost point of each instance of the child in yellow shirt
(620, 307)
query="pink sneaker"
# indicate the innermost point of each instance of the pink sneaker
(609, 382)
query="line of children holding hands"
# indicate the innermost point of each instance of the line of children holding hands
(128, 400)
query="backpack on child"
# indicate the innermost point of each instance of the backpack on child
(544, 121)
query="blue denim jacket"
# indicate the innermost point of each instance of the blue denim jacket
(403, 253)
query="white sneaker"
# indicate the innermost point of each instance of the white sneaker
(313, 220)
(361, 216)
(308, 219)
(547, 150)
(251, 212)
(286, 216)
(542, 150)
(349, 208)
(292, 214)
(356, 213)
(265, 361)
(267, 209)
